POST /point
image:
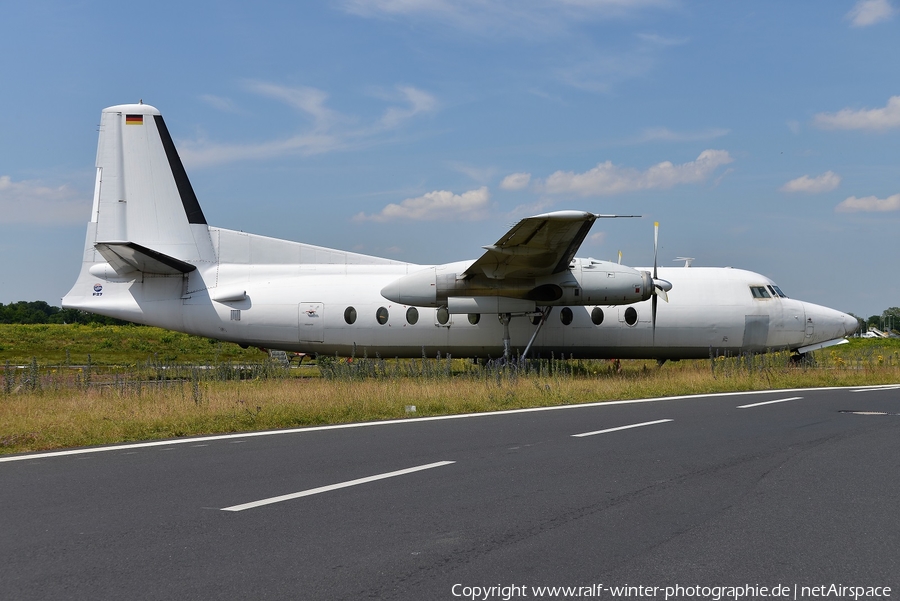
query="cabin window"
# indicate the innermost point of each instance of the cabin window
(759, 292)
(381, 315)
(597, 316)
(565, 316)
(443, 315)
(350, 315)
(631, 316)
(412, 316)
(474, 318)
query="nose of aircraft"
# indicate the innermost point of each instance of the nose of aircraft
(851, 324)
(828, 324)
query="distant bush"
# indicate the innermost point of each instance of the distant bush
(40, 312)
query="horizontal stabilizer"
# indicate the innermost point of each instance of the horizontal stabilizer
(128, 257)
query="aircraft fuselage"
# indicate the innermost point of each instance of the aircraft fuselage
(306, 308)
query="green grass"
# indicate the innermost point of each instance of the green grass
(151, 384)
(70, 344)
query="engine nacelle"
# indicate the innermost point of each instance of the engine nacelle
(586, 282)
(606, 283)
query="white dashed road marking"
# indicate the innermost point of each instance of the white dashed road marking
(876, 389)
(793, 398)
(330, 487)
(659, 421)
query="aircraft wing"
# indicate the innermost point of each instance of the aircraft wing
(535, 246)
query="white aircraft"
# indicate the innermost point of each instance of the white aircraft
(151, 258)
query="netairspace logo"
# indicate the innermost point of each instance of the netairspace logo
(500, 592)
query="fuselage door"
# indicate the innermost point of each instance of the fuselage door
(756, 333)
(312, 322)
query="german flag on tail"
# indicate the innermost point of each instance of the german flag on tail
(134, 119)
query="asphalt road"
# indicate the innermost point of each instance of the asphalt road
(794, 493)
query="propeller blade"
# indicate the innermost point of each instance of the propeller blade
(655, 245)
(660, 292)
(620, 257)
(655, 301)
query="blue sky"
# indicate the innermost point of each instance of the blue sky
(761, 135)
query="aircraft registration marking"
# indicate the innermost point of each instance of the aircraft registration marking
(793, 398)
(659, 421)
(330, 487)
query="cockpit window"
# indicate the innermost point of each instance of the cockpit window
(776, 291)
(760, 292)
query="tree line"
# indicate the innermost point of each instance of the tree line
(887, 321)
(42, 312)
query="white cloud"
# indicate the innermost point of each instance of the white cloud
(440, 204)
(30, 202)
(826, 182)
(870, 12)
(417, 102)
(481, 175)
(867, 119)
(538, 21)
(217, 102)
(652, 134)
(601, 72)
(330, 130)
(658, 40)
(306, 99)
(506, 17)
(607, 178)
(869, 204)
(542, 205)
(515, 181)
(597, 238)
(203, 153)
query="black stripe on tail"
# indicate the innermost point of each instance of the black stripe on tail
(188, 198)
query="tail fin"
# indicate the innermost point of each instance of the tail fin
(142, 193)
(145, 218)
